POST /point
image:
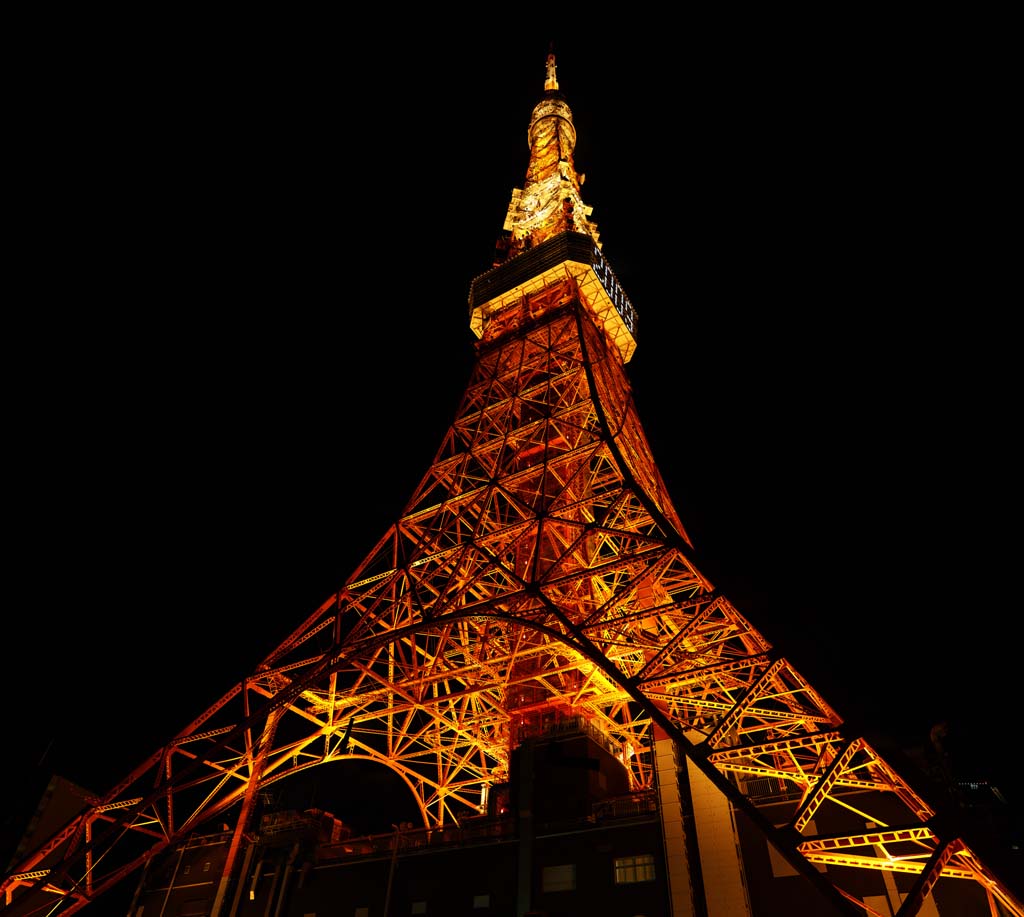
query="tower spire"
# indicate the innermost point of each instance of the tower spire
(551, 82)
(550, 238)
(537, 583)
(549, 203)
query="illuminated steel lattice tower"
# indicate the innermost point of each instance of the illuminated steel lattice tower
(538, 571)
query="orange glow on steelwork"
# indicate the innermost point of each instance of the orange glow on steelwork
(539, 569)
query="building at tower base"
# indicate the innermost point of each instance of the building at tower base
(564, 838)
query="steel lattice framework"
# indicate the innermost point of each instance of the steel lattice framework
(539, 569)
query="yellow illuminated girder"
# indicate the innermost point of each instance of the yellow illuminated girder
(534, 571)
(539, 569)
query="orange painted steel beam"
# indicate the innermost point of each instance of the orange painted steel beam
(538, 569)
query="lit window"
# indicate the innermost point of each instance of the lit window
(187, 870)
(559, 878)
(634, 869)
(206, 866)
(481, 901)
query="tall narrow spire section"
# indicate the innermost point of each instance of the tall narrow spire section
(550, 251)
(552, 80)
(549, 202)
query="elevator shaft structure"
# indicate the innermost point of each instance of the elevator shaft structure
(538, 571)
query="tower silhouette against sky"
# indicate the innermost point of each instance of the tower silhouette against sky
(539, 573)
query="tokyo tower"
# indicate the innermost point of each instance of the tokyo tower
(538, 575)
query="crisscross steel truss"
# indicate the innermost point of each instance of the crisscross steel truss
(539, 569)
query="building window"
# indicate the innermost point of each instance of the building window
(187, 870)
(419, 907)
(206, 866)
(481, 901)
(634, 869)
(559, 878)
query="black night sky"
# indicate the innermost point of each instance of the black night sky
(243, 330)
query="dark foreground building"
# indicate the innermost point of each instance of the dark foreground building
(565, 838)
